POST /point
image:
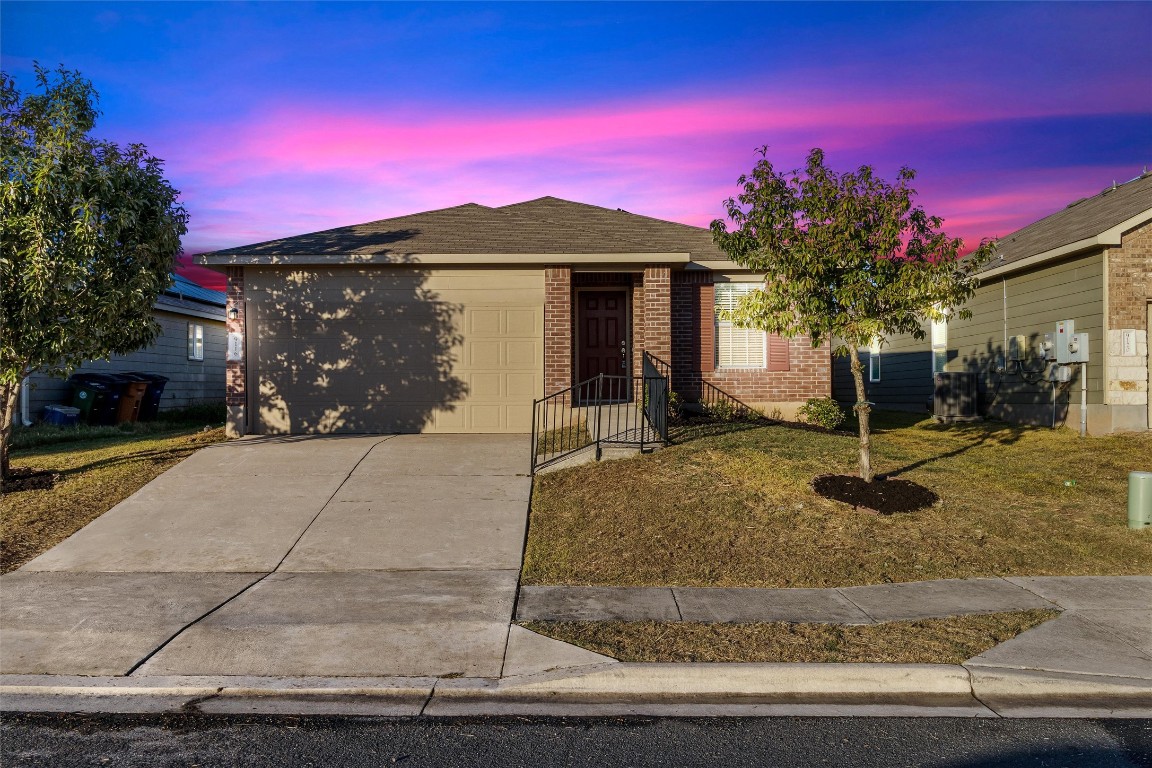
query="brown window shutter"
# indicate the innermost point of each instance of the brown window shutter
(777, 353)
(706, 331)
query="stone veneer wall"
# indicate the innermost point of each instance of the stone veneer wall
(1129, 292)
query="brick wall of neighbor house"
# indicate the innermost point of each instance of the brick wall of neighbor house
(236, 372)
(557, 328)
(809, 371)
(1129, 291)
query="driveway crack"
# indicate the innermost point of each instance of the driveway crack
(252, 584)
(316, 517)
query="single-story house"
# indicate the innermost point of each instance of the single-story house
(1090, 263)
(189, 351)
(455, 320)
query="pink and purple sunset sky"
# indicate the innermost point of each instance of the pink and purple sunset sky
(278, 119)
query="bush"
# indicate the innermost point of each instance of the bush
(822, 411)
(722, 410)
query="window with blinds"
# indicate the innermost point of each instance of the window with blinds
(737, 347)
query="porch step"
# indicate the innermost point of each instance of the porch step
(607, 453)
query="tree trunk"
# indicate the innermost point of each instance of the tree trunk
(8, 394)
(862, 410)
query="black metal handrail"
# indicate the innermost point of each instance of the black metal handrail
(697, 390)
(604, 410)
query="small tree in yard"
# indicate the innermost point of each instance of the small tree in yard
(847, 258)
(89, 231)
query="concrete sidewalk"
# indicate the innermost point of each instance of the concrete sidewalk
(378, 575)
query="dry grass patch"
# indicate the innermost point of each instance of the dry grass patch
(736, 508)
(929, 641)
(93, 477)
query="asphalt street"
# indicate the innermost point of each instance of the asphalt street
(195, 740)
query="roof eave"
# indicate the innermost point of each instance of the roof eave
(1111, 236)
(478, 259)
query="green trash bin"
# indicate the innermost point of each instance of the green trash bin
(90, 397)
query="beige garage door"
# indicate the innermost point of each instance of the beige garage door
(394, 349)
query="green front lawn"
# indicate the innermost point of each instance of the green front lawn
(733, 506)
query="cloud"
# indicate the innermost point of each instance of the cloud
(291, 168)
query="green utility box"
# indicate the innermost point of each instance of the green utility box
(1139, 500)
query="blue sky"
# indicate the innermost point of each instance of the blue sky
(281, 118)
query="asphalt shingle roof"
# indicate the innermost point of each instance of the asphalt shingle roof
(667, 235)
(543, 226)
(1079, 221)
(479, 229)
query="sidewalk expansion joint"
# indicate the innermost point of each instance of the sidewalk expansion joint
(860, 608)
(676, 602)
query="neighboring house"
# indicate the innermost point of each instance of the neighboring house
(454, 320)
(189, 351)
(1090, 263)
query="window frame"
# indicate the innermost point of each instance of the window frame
(196, 341)
(874, 361)
(938, 343)
(719, 302)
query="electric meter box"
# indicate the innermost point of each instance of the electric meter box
(1017, 348)
(1071, 347)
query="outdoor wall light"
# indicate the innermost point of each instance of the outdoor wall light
(233, 313)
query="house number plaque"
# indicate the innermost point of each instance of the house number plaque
(235, 347)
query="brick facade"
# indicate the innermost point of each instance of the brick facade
(673, 318)
(235, 374)
(1130, 279)
(557, 328)
(808, 374)
(657, 321)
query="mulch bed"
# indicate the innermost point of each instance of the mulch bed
(30, 479)
(885, 497)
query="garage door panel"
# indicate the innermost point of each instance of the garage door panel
(381, 350)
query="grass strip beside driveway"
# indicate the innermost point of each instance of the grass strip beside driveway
(732, 506)
(95, 476)
(928, 641)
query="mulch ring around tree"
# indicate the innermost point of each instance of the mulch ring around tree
(30, 479)
(883, 496)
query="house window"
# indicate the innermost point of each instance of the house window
(195, 341)
(939, 345)
(874, 361)
(737, 347)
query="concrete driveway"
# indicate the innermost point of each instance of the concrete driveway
(326, 556)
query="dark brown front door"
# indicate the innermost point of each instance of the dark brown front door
(602, 340)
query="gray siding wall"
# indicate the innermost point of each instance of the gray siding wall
(190, 381)
(905, 375)
(1035, 301)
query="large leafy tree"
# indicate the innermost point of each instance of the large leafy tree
(847, 258)
(89, 230)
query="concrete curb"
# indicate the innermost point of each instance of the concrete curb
(612, 690)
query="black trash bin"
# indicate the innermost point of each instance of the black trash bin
(150, 407)
(97, 395)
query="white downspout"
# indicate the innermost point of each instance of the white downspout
(25, 419)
